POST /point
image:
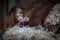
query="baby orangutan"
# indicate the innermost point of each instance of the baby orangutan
(14, 16)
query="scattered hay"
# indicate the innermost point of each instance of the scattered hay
(26, 33)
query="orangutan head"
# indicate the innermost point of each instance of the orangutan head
(19, 14)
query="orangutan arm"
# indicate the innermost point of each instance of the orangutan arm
(4, 24)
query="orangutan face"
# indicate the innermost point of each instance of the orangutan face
(19, 15)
